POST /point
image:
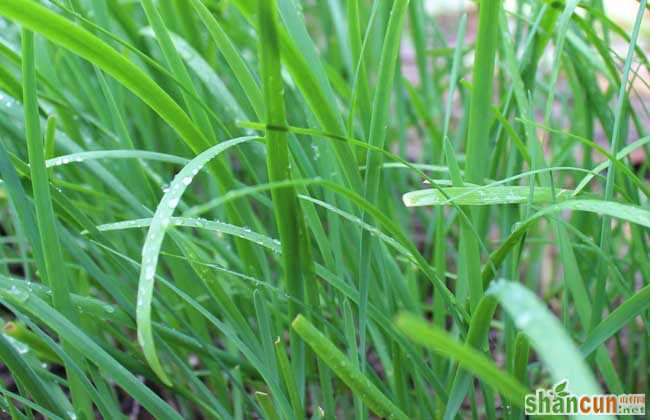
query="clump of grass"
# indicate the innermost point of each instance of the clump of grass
(215, 209)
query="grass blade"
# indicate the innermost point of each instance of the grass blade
(68, 331)
(479, 122)
(616, 320)
(345, 370)
(472, 196)
(436, 339)
(377, 138)
(288, 216)
(153, 243)
(560, 356)
(53, 270)
(83, 43)
(28, 378)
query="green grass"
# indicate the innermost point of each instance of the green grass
(327, 209)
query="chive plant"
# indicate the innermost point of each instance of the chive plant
(320, 209)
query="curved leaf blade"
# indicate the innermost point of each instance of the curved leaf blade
(153, 243)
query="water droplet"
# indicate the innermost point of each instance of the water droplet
(187, 180)
(20, 347)
(18, 294)
(523, 319)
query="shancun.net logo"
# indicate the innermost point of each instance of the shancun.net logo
(560, 401)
